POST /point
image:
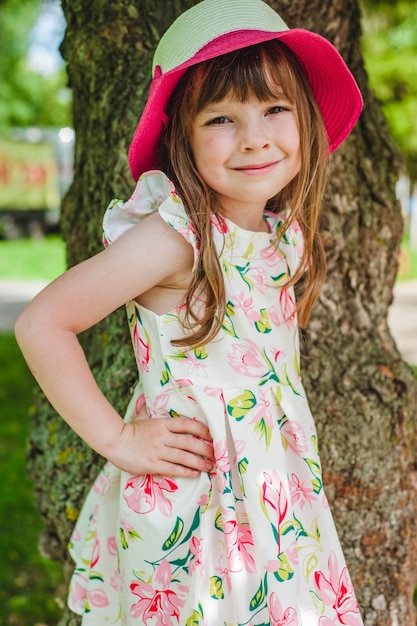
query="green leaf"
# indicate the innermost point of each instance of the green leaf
(284, 571)
(239, 406)
(258, 598)
(262, 428)
(216, 588)
(218, 520)
(201, 353)
(134, 535)
(263, 325)
(315, 469)
(174, 536)
(310, 565)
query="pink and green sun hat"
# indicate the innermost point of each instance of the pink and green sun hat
(215, 27)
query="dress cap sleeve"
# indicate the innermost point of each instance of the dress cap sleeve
(154, 192)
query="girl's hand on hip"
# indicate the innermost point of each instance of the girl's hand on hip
(172, 446)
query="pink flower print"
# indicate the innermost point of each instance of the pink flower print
(246, 305)
(195, 366)
(111, 546)
(214, 392)
(300, 492)
(160, 601)
(273, 316)
(259, 278)
(223, 570)
(222, 463)
(95, 556)
(145, 493)
(292, 555)
(295, 436)
(278, 617)
(105, 479)
(237, 537)
(273, 494)
(78, 594)
(97, 598)
(116, 580)
(297, 238)
(219, 223)
(159, 406)
(337, 592)
(196, 563)
(245, 358)
(288, 307)
(142, 351)
(269, 256)
(266, 405)
(140, 401)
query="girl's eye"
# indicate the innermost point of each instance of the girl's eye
(218, 121)
(277, 109)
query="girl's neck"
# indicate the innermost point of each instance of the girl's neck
(248, 220)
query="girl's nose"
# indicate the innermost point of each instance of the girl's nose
(253, 137)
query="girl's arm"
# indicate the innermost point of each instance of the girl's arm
(151, 256)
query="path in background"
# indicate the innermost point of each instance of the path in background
(402, 317)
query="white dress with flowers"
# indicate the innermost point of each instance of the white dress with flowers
(253, 542)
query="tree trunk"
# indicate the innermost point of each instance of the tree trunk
(364, 397)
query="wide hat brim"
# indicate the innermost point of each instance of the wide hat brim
(331, 81)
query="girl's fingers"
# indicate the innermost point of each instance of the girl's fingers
(188, 426)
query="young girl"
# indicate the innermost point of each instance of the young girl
(211, 507)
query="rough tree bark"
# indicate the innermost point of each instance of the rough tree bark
(363, 395)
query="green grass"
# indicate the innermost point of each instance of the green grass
(40, 259)
(31, 587)
(408, 262)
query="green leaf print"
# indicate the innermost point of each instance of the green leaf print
(243, 270)
(315, 469)
(216, 588)
(195, 524)
(299, 529)
(288, 381)
(259, 596)
(286, 528)
(262, 428)
(263, 325)
(95, 576)
(239, 406)
(166, 375)
(195, 617)
(285, 571)
(241, 468)
(174, 535)
(281, 278)
(200, 353)
(218, 520)
(228, 325)
(310, 564)
(271, 374)
(123, 539)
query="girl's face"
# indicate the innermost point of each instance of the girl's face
(246, 152)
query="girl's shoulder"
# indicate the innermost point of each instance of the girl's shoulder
(156, 199)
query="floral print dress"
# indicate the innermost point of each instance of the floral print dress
(253, 542)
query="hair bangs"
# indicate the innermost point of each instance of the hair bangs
(262, 71)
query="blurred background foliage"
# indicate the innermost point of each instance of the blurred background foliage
(389, 48)
(35, 94)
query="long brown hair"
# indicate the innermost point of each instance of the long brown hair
(262, 70)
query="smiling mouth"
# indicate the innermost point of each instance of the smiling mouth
(256, 167)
